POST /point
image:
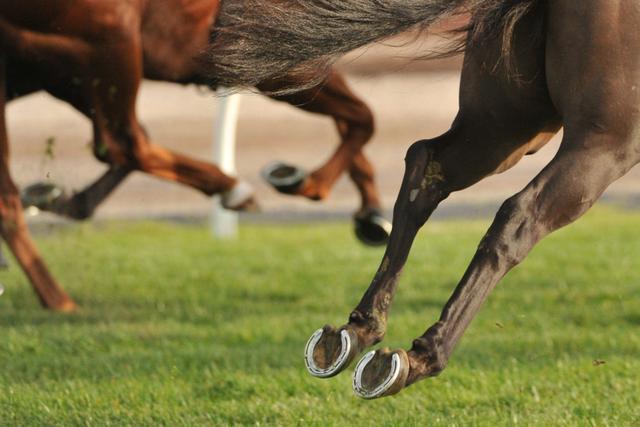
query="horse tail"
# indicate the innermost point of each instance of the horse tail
(257, 40)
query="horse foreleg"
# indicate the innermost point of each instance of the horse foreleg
(13, 227)
(120, 140)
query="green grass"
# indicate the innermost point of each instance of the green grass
(179, 329)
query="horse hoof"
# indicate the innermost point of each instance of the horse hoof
(41, 195)
(381, 373)
(240, 198)
(372, 228)
(284, 178)
(65, 306)
(329, 351)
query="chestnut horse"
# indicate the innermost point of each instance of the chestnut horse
(93, 54)
(531, 67)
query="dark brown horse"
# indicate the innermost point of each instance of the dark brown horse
(531, 67)
(93, 54)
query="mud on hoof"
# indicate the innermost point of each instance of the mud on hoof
(42, 195)
(372, 228)
(329, 351)
(381, 373)
(285, 178)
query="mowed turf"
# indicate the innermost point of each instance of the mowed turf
(179, 329)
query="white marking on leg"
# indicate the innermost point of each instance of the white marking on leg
(237, 196)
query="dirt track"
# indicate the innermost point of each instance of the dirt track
(415, 101)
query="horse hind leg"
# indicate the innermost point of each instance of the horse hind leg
(560, 194)
(498, 123)
(355, 125)
(434, 169)
(600, 145)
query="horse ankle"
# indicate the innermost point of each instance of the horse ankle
(370, 326)
(428, 356)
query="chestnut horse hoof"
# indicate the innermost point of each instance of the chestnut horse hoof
(286, 179)
(381, 373)
(329, 351)
(42, 195)
(372, 228)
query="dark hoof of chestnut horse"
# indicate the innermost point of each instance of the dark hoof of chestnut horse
(381, 373)
(284, 178)
(42, 195)
(329, 351)
(372, 228)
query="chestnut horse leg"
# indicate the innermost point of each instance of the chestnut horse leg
(13, 227)
(481, 142)
(355, 124)
(120, 140)
(111, 83)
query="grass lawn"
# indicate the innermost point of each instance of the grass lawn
(179, 329)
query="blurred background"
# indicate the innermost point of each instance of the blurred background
(411, 99)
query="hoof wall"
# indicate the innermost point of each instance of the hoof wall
(240, 198)
(329, 351)
(41, 195)
(64, 306)
(372, 228)
(381, 373)
(286, 179)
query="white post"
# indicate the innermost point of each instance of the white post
(224, 223)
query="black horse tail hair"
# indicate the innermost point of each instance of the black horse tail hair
(258, 40)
